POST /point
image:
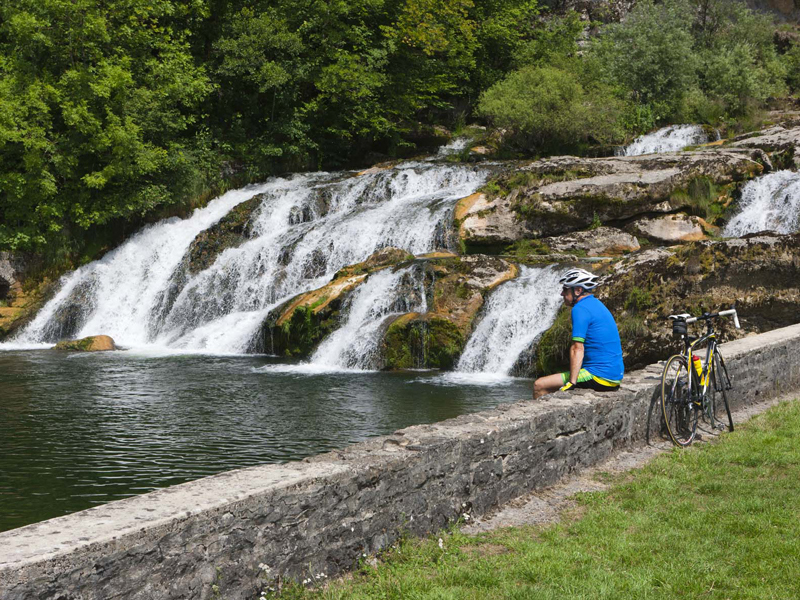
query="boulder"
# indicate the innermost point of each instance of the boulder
(602, 241)
(670, 229)
(95, 343)
(565, 194)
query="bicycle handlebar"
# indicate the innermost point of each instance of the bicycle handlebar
(731, 312)
(708, 316)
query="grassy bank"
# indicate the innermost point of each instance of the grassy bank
(716, 521)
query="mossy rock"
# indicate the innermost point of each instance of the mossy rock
(552, 351)
(230, 232)
(95, 343)
(303, 331)
(415, 341)
(582, 192)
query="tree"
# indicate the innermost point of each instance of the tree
(96, 115)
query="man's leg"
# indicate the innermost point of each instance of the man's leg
(547, 385)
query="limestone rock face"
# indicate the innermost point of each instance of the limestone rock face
(95, 343)
(670, 229)
(761, 274)
(603, 241)
(565, 194)
(781, 138)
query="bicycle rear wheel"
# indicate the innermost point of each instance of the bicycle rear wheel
(680, 413)
(720, 384)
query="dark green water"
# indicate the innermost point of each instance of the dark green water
(81, 430)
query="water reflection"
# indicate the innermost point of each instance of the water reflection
(86, 429)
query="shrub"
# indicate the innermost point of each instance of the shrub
(547, 108)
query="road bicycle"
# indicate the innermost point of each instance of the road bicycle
(692, 389)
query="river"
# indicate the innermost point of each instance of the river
(86, 429)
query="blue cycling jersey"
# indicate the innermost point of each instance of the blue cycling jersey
(593, 324)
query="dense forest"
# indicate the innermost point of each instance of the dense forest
(116, 112)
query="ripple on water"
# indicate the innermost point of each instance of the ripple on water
(84, 431)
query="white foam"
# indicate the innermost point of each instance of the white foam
(770, 202)
(667, 139)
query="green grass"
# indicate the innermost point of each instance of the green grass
(715, 521)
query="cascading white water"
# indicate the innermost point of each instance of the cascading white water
(307, 228)
(384, 294)
(454, 147)
(667, 139)
(516, 313)
(770, 202)
(119, 291)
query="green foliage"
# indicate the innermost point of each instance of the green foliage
(791, 65)
(719, 66)
(115, 111)
(98, 114)
(650, 55)
(549, 109)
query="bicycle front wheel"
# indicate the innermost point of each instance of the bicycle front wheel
(679, 412)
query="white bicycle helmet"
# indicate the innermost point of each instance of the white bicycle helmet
(579, 278)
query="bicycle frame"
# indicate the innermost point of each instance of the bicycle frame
(704, 379)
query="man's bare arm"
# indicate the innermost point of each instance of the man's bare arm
(575, 361)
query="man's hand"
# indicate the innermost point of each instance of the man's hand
(567, 387)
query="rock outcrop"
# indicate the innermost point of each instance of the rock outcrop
(567, 194)
(297, 326)
(456, 289)
(19, 298)
(782, 140)
(671, 229)
(761, 274)
(231, 231)
(95, 343)
(602, 241)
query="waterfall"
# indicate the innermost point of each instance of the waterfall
(667, 139)
(454, 147)
(516, 314)
(771, 202)
(306, 228)
(355, 345)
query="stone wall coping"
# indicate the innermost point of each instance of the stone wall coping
(133, 516)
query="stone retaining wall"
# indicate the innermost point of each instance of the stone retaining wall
(236, 531)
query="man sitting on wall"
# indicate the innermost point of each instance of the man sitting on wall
(595, 357)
